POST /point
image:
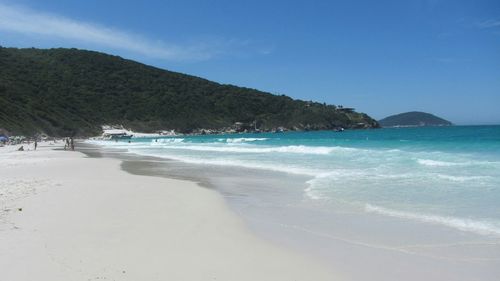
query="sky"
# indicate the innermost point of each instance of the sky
(380, 57)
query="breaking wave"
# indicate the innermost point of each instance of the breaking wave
(299, 149)
(435, 163)
(166, 141)
(240, 140)
(463, 224)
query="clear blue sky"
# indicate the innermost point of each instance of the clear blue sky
(381, 57)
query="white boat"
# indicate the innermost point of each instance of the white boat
(116, 135)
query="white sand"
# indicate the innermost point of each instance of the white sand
(86, 219)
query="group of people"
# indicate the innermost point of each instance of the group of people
(22, 146)
(69, 144)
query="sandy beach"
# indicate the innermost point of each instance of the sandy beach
(65, 216)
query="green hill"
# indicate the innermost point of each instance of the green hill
(64, 92)
(413, 118)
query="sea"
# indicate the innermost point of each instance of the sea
(419, 197)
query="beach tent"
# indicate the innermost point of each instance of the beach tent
(4, 138)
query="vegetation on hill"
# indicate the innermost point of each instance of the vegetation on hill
(64, 92)
(413, 118)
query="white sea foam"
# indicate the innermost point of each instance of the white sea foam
(463, 224)
(313, 193)
(435, 163)
(299, 149)
(240, 140)
(234, 163)
(321, 182)
(118, 144)
(461, 178)
(166, 140)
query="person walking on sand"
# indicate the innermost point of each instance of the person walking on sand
(36, 143)
(72, 144)
(66, 146)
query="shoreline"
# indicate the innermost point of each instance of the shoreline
(357, 248)
(345, 240)
(72, 217)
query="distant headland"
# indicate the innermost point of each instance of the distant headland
(413, 119)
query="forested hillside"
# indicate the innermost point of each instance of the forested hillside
(64, 92)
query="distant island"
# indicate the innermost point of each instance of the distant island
(63, 92)
(413, 119)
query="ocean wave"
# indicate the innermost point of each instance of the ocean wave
(109, 143)
(299, 149)
(461, 178)
(463, 224)
(322, 181)
(240, 140)
(235, 163)
(435, 163)
(313, 193)
(166, 140)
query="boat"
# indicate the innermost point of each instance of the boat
(122, 136)
(116, 136)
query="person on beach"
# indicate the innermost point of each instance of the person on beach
(66, 146)
(36, 143)
(72, 144)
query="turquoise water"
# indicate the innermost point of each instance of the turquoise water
(447, 176)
